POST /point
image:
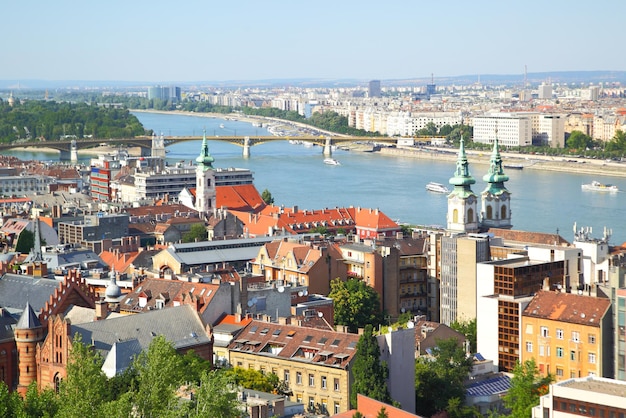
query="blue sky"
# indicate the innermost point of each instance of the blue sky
(188, 40)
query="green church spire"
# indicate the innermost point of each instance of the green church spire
(462, 179)
(495, 177)
(205, 160)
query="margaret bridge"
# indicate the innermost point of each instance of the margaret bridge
(155, 146)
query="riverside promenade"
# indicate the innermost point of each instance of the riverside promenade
(528, 162)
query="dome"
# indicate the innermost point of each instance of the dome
(113, 291)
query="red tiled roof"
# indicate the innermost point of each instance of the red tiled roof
(322, 347)
(197, 294)
(568, 307)
(528, 236)
(244, 197)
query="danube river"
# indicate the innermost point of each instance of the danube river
(296, 176)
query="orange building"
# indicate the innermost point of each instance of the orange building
(568, 335)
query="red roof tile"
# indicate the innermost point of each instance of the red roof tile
(568, 307)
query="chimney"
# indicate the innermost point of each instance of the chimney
(283, 320)
(102, 309)
(238, 317)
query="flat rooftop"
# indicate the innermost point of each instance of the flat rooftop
(603, 386)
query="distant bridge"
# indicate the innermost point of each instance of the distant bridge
(69, 147)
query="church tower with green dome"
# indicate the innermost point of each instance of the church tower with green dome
(462, 202)
(496, 203)
(205, 180)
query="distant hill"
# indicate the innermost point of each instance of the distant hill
(485, 79)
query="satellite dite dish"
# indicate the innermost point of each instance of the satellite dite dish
(300, 293)
(250, 304)
(281, 289)
(306, 292)
(410, 324)
(320, 314)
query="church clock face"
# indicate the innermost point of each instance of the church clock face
(504, 197)
(471, 200)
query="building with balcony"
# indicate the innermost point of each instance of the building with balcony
(314, 363)
(504, 289)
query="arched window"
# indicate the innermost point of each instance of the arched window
(470, 215)
(489, 212)
(503, 212)
(455, 216)
(57, 382)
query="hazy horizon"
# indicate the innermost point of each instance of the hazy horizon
(195, 41)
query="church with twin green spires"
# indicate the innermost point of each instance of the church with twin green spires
(495, 210)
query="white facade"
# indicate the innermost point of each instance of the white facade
(487, 313)
(25, 185)
(397, 349)
(578, 396)
(545, 91)
(550, 130)
(512, 130)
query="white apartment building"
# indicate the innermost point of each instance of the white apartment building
(25, 185)
(171, 181)
(512, 129)
(549, 129)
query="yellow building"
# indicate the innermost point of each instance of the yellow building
(315, 363)
(568, 335)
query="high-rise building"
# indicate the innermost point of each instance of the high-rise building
(374, 89)
(171, 93)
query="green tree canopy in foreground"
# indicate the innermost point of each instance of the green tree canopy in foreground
(369, 373)
(356, 304)
(527, 386)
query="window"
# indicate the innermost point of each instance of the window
(311, 402)
(544, 332)
(559, 334)
(541, 350)
(298, 378)
(336, 408)
(529, 346)
(323, 382)
(311, 380)
(592, 358)
(559, 371)
(572, 355)
(336, 385)
(575, 336)
(559, 352)
(286, 376)
(592, 339)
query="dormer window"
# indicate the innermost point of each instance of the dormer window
(160, 304)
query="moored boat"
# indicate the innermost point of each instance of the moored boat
(513, 166)
(596, 186)
(437, 188)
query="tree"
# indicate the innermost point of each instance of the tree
(160, 374)
(370, 375)
(197, 232)
(467, 328)
(578, 140)
(25, 242)
(527, 386)
(216, 396)
(267, 197)
(83, 390)
(356, 304)
(382, 413)
(440, 378)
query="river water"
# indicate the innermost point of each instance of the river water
(296, 176)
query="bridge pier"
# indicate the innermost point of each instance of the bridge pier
(246, 147)
(73, 151)
(328, 150)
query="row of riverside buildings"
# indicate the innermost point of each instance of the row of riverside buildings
(254, 295)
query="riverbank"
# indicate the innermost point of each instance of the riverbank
(517, 161)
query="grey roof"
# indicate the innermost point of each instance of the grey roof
(121, 356)
(144, 258)
(181, 325)
(28, 320)
(17, 289)
(80, 258)
(7, 323)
